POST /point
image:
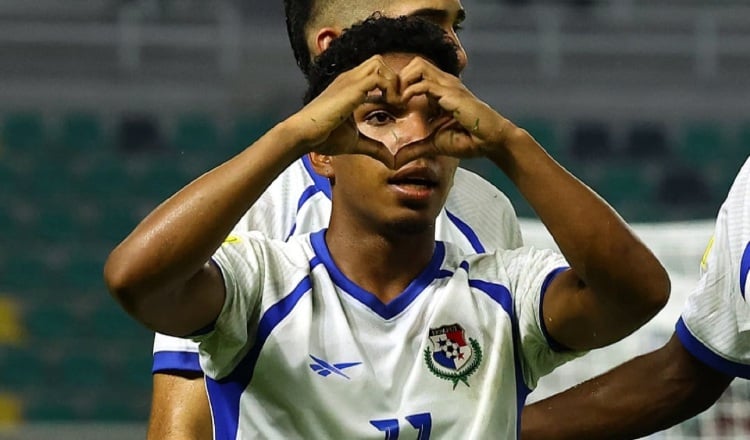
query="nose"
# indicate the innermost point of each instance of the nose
(410, 130)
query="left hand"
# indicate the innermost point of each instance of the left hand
(471, 127)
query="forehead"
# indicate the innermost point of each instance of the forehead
(450, 8)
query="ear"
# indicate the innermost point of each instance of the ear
(321, 163)
(323, 39)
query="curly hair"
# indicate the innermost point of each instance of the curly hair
(381, 35)
(298, 13)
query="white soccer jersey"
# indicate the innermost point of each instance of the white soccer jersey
(477, 217)
(715, 324)
(300, 351)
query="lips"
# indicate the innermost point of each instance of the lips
(415, 175)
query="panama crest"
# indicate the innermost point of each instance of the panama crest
(449, 356)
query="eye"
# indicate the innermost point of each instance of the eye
(378, 118)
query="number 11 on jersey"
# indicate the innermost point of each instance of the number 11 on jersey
(421, 422)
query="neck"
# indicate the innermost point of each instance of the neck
(383, 264)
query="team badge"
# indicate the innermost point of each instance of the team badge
(449, 356)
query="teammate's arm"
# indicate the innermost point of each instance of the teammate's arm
(644, 395)
(179, 407)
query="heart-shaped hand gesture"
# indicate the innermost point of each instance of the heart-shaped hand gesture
(467, 127)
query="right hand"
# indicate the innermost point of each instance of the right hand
(326, 123)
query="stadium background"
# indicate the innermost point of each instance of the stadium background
(107, 106)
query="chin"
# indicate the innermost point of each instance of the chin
(412, 226)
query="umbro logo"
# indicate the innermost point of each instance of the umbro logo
(324, 368)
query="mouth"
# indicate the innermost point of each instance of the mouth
(416, 176)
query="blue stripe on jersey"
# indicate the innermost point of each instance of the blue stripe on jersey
(554, 345)
(744, 269)
(165, 361)
(467, 231)
(321, 183)
(501, 295)
(397, 305)
(707, 356)
(225, 393)
(303, 198)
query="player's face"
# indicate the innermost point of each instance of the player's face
(410, 198)
(448, 14)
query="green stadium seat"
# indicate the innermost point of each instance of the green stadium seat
(20, 368)
(703, 143)
(24, 131)
(591, 141)
(624, 183)
(83, 370)
(110, 322)
(196, 133)
(247, 129)
(82, 132)
(647, 141)
(56, 407)
(545, 133)
(25, 270)
(49, 321)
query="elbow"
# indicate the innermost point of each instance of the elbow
(657, 290)
(121, 279)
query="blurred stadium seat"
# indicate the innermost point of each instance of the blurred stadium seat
(647, 141)
(196, 133)
(82, 132)
(24, 131)
(591, 141)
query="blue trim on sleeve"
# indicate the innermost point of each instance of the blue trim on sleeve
(744, 269)
(708, 356)
(176, 361)
(321, 183)
(225, 393)
(554, 345)
(501, 295)
(467, 231)
(398, 304)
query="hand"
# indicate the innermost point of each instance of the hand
(471, 127)
(327, 121)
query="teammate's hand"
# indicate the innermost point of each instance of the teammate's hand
(326, 122)
(471, 128)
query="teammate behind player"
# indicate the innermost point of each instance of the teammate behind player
(344, 332)
(299, 202)
(710, 347)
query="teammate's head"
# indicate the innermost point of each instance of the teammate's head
(313, 24)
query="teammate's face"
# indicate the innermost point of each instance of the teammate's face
(408, 199)
(448, 14)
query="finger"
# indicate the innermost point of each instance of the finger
(419, 69)
(376, 150)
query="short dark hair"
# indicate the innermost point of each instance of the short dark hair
(381, 35)
(297, 17)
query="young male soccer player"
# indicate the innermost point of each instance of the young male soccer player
(710, 347)
(299, 202)
(371, 326)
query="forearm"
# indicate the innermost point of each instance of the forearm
(645, 395)
(628, 280)
(173, 243)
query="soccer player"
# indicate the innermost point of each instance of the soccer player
(709, 348)
(299, 202)
(370, 326)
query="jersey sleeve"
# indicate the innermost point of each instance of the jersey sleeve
(241, 261)
(715, 323)
(173, 354)
(530, 272)
(485, 210)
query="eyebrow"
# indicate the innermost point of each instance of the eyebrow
(439, 14)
